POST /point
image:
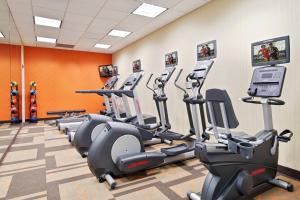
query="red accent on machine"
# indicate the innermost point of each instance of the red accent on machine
(258, 171)
(136, 164)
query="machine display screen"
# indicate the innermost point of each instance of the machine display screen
(171, 59)
(136, 66)
(108, 70)
(207, 51)
(266, 75)
(271, 52)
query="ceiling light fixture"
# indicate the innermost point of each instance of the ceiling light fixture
(102, 46)
(149, 10)
(1, 35)
(42, 21)
(44, 39)
(119, 33)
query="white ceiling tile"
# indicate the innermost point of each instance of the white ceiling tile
(93, 35)
(74, 26)
(86, 42)
(112, 14)
(49, 13)
(23, 19)
(46, 31)
(110, 40)
(101, 26)
(21, 6)
(51, 4)
(133, 23)
(71, 17)
(189, 5)
(3, 6)
(69, 37)
(123, 5)
(164, 3)
(168, 16)
(84, 7)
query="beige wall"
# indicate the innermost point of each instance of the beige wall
(235, 24)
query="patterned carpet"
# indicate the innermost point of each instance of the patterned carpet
(41, 164)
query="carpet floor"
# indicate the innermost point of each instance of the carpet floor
(41, 164)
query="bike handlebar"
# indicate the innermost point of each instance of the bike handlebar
(270, 101)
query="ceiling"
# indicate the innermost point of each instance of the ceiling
(87, 22)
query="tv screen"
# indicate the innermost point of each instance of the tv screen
(136, 66)
(271, 52)
(207, 50)
(108, 70)
(171, 59)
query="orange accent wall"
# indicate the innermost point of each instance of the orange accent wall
(58, 74)
(10, 69)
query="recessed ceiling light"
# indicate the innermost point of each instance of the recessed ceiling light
(149, 10)
(119, 33)
(1, 35)
(102, 46)
(47, 22)
(44, 39)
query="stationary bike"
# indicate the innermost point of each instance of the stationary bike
(246, 165)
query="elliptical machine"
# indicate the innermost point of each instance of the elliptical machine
(246, 165)
(118, 149)
(83, 136)
(71, 124)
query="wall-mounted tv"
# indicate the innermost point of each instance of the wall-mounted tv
(271, 52)
(136, 66)
(171, 59)
(207, 50)
(108, 70)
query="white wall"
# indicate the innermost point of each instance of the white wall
(235, 24)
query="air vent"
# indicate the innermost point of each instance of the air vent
(65, 45)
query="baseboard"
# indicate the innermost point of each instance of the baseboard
(289, 172)
(27, 120)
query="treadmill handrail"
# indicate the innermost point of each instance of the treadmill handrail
(128, 93)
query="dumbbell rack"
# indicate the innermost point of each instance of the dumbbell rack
(14, 102)
(33, 103)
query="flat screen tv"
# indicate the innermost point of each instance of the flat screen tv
(271, 52)
(207, 50)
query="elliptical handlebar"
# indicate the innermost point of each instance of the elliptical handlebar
(147, 85)
(175, 82)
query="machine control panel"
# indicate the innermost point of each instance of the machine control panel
(202, 68)
(167, 73)
(267, 81)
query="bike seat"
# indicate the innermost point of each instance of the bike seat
(243, 135)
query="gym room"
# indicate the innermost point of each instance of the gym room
(149, 99)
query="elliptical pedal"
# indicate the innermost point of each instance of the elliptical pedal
(178, 149)
(169, 135)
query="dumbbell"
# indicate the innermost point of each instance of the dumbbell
(32, 92)
(14, 92)
(15, 119)
(13, 84)
(13, 102)
(33, 101)
(33, 119)
(32, 109)
(33, 84)
(14, 110)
